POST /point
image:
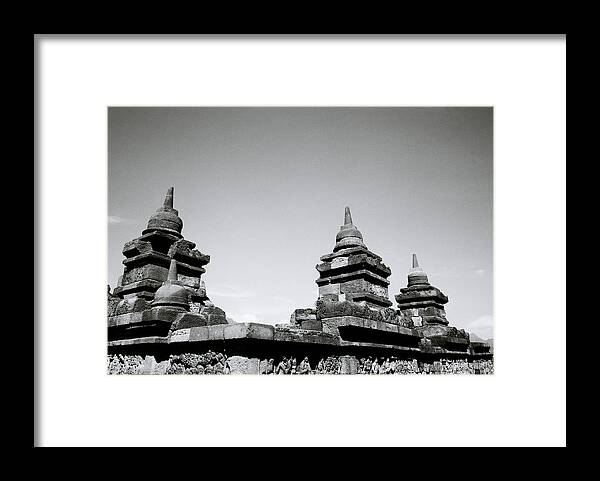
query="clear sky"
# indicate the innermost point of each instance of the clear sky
(263, 191)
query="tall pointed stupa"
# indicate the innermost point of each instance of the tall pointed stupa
(149, 257)
(352, 272)
(161, 287)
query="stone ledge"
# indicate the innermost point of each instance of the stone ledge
(358, 274)
(125, 319)
(379, 346)
(349, 251)
(139, 340)
(224, 332)
(305, 336)
(160, 259)
(265, 332)
(353, 263)
(336, 322)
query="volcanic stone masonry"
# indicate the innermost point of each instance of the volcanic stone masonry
(160, 309)
(352, 272)
(161, 288)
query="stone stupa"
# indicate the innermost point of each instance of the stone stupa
(161, 282)
(423, 304)
(352, 272)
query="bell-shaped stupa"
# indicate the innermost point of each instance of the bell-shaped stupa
(166, 218)
(172, 293)
(349, 235)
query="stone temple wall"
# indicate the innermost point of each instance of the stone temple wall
(218, 363)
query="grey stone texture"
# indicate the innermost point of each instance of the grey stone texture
(244, 365)
(421, 300)
(217, 363)
(148, 258)
(352, 272)
(161, 282)
(349, 365)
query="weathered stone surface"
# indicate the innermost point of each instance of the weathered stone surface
(329, 289)
(353, 272)
(300, 315)
(188, 320)
(338, 262)
(125, 319)
(146, 283)
(420, 301)
(136, 247)
(348, 276)
(236, 331)
(141, 340)
(305, 336)
(216, 332)
(349, 365)
(248, 330)
(131, 305)
(311, 324)
(146, 272)
(361, 259)
(198, 334)
(260, 331)
(164, 314)
(180, 335)
(243, 365)
(183, 251)
(448, 331)
(326, 309)
(214, 315)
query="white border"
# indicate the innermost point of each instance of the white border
(522, 404)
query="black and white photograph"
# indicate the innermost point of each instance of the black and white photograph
(300, 240)
(264, 194)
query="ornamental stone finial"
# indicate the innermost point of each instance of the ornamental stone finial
(415, 262)
(347, 217)
(169, 198)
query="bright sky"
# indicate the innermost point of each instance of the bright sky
(263, 191)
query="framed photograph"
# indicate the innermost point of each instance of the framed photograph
(286, 225)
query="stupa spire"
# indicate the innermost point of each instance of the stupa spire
(169, 199)
(166, 218)
(416, 275)
(415, 262)
(349, 235)
(172, 277)
(347, 217)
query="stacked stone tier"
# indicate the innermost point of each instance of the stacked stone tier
(354, 274)
(343, 265)
(338, 276)
(348, 252)
(410, 297)
(147, 260)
